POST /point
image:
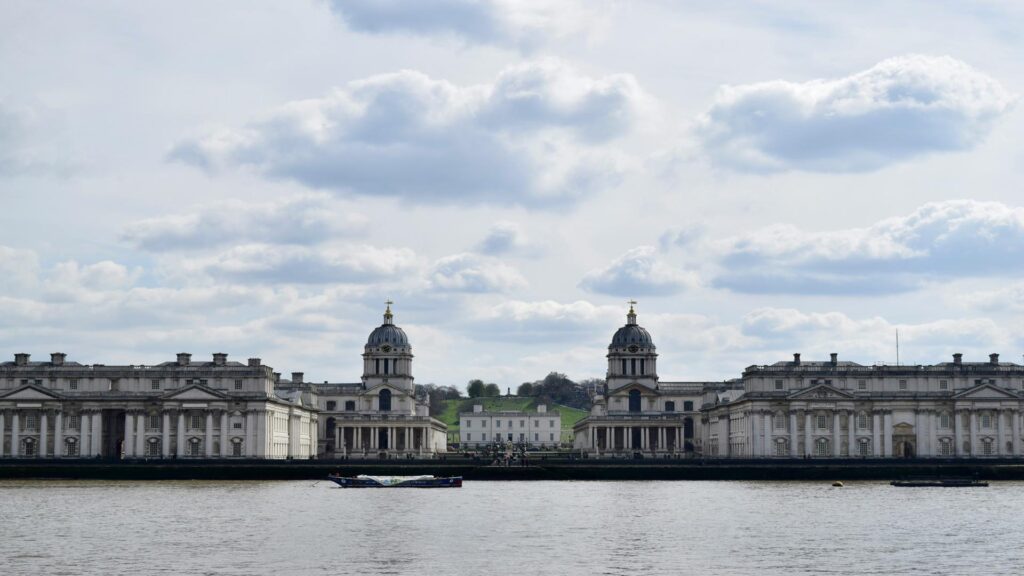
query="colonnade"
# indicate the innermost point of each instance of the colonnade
(656, 438)
(365, 438)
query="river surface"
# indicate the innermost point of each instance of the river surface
(509, 528)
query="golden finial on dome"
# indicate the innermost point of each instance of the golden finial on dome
(387, 312)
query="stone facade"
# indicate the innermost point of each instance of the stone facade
(180, 409)
(540, 429)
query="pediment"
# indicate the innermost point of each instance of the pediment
(30, 392)
(195, 392)
(375, 390)
(821, 392)
(644, 390)
(985, 392)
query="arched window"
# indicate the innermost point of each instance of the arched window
(195, 447)
(780, 421)
(634, 400)
(944, 421)
(864, 447)
(945, 447)
(153, 448)
(821, 447)
(71, 447)
(781, 447)
(28, 447)
(862, 421)
(986, 420)
(387, 366)
(385, 400)
(687, 428)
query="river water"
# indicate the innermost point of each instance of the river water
(514, 528)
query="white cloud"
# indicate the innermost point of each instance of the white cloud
(507, 238)
(290, 264)
(519, 23)
(952, 239)
(900, 108)
(638, 272)
(19, 269)
(473, 273)
(300, 219)
(533, 137)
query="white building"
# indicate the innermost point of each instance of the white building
(831, 409)
(636, 412)
(540, 429)
(379, 416)
(181, 409)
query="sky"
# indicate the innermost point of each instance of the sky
(763, 178)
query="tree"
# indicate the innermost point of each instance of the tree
(525, 389)
(475, 388)
(492, 390)
(557, 388)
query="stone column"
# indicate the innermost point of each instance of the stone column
(933, 435)
(224, 434)
(999, 433)
(723, 447)
(887, 431)
(836, 444)
(1015, 415)
(769, 429)
(2, 432)
(15, 433)
(851, 433)
(180, 448)
(974, 434)
(128, 446)
(643, 438)
(958, 433)
(58, 434)
(44, 432)
(877, 449)
(165, 435)
(140, 434)
(208, 440)
(754, 444)
(83, 435)
(808, 432)
(794, 437)
(250, 434)
(97, 433)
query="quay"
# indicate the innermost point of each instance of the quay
(547, 469)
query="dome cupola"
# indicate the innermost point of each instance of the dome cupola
(632, 334)
(387, 358)
(631, 355)
(387, 333)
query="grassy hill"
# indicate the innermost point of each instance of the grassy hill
(450, 415)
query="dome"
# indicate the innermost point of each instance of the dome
(387, 333)
(632, 334)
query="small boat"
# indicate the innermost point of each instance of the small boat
(837, 484)
(364, 481)
(939, 483)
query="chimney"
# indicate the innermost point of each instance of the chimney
(796, 359)
(21, 359)
(835, 358)
(478, 407)
(254, 362)
(958, 358)
(993, 359)
(220, 359)
(542, 408)
(277, 377)
(184, 358)
(57, 358)
(296, 377)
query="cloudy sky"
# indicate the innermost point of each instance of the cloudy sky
(257, 178)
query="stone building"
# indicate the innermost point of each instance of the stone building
(636, 412)
(180, 409)
(540, 429)
(379, 416)
(832, 408)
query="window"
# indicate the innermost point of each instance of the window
(497, 423)
(781, 449)
(71, 447)
(670, 406)
(862, 421)
(387, 366)
(29, 447)
(536, 423)
(202, 382)
(483, 423)
(74, 422)
(73, 384)
(154, 384)
(238, 384)
(821, 447)
(522, 437)
(778, 384)
(986, 420)
(469, 437)
(551, 436)
(332, 405)
(195, 447)
(469, 423)
(376, 366)
(153, 448)
(632, 366)
(483, 437)
(522, 423)
(864, 447)
(623, 367)
(384, 399)
(236, 449)
(688, 406)
(509, 436)
(822, 422)
(237, 425)
(986, 447)
(31, 421)
(945, 447)
(551, 423)
(862, 384)
(903, 384)
(780, 422)
(350, 405)
(643, 369)
(944, 421)
(196, 422)
(509, 424)
(634, 400)
(154, 421)
(943, 384)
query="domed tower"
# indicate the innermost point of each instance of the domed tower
(388, 357)
(631, 355)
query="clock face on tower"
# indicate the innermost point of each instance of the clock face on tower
(385, 348)
(634, 348)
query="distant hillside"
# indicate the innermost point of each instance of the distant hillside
(450, 415)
